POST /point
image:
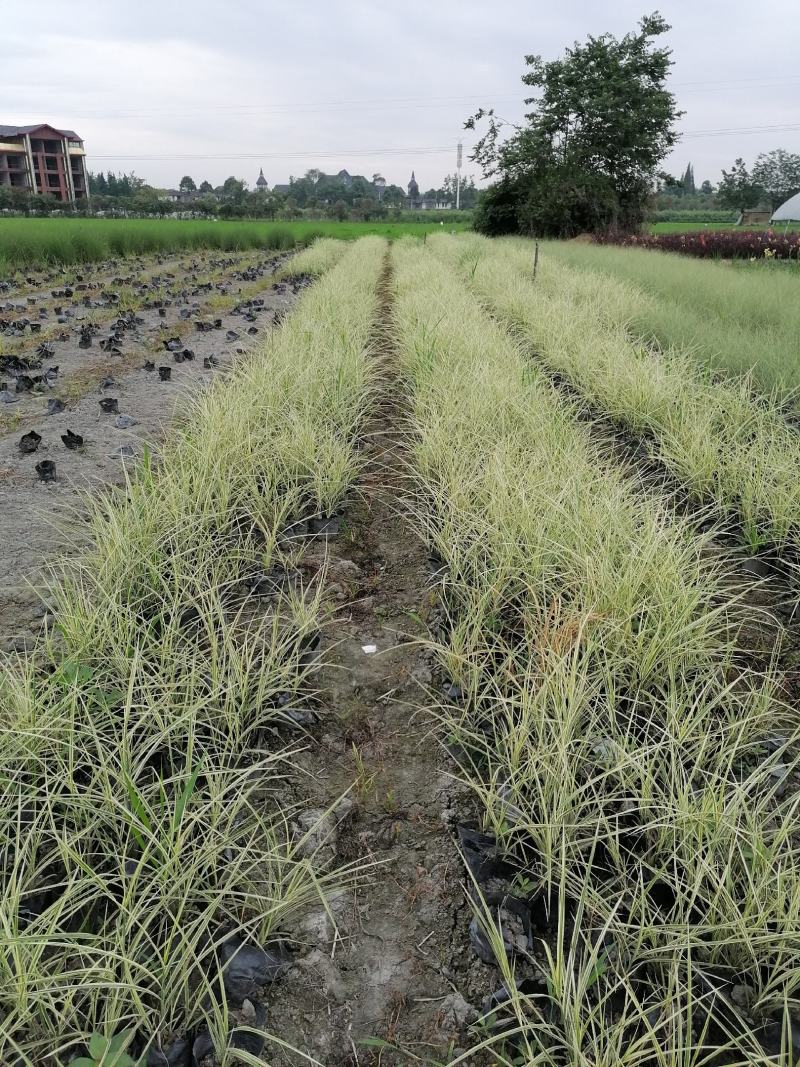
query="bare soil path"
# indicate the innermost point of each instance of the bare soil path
(391, 967)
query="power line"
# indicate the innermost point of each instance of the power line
(340, 153)
(742, 130)
(306, 154)
(766, 79)
(397, 103)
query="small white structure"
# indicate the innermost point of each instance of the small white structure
(789, 211)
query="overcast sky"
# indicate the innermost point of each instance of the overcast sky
(225, 87)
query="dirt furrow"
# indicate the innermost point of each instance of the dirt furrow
(390, 970)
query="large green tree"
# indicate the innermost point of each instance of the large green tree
(588, 152)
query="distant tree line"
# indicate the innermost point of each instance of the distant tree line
(315, 195)
(774, 177)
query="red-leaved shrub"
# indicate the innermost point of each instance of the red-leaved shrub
(720, 244)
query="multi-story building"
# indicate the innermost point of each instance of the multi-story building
(41, 159)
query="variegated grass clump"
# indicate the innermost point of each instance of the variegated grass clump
(317, 259)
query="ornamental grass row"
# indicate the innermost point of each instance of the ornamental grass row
(634, 871)
(147, 745)
(729, 447)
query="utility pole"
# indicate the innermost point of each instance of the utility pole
(458, 176)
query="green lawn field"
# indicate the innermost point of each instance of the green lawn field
(33, 242)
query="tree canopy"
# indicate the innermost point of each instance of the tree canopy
(111, 184)
(587, 154)
(778, 175)
(737, 189)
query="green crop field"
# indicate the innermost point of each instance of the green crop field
(694, 227)
(31, 242)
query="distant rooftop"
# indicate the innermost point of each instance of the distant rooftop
(20, 131)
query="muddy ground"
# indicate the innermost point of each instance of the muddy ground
(80, 341)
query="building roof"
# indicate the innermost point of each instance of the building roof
(281, 188)
(789, 211)
(261, 180)
(20, 131)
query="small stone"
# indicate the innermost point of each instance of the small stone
(316, 928)
(318, 968)
(422, 676)
(455, 1013)
(317, 831)
(344, 809)
(247, 1013)
(124, 422)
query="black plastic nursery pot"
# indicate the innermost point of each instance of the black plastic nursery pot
(29, 442)
(46, 469)
(323, 525)
(27, 382)
(72, 440)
